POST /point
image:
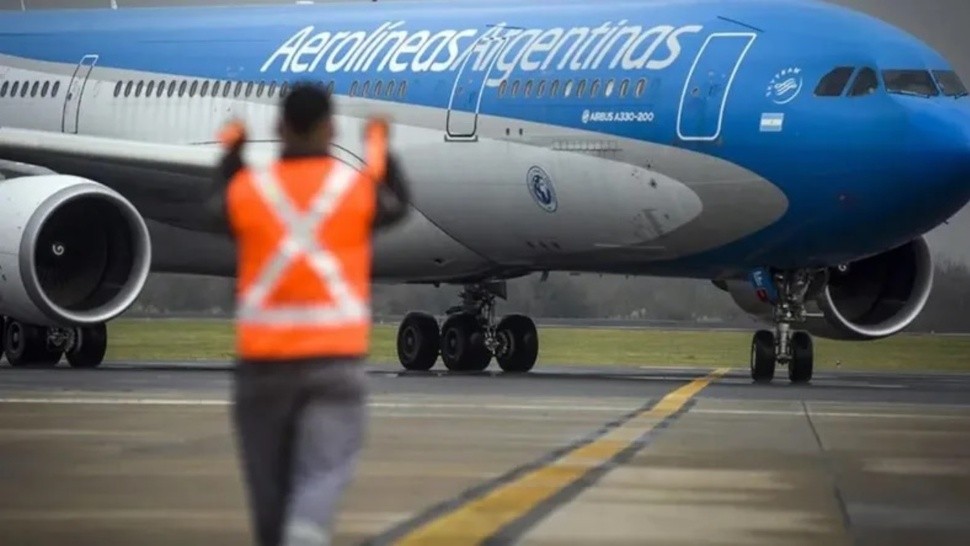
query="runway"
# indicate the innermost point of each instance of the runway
(143, 454)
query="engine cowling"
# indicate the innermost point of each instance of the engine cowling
(72, 251)
(871, 299)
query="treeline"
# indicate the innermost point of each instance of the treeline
(563, 296)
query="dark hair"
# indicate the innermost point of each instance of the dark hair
(305, 106)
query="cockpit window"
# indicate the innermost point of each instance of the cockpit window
(834, 82)
(950, 83)
(866, 83)
(910, 82)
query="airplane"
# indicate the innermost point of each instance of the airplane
(792, 152)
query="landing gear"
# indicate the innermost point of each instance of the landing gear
(518, 344)
(88, 346)
(784, 346)
(417, 342)
(28, 345)
(469, 337)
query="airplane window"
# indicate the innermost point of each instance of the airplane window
(118, 89)
(594, 89)
(13, 88)
(138, 88)
(34, 88)
(554, 90)
(171, 87)
(624, 88)
(541, 89)
(910, 82)
(226, 89)
(182, 87)
(260, 88)
(150, 88)
(272, 88)
(205, 89)
(609, 88)
(24, 88)
(128, 88)
(353, 88)
(249, 88)
(950, 83)
(238, 90)
(57, 87)
(366, 89)
(528, 89)
(284, 88)
(161, 88)
(215, 88)
(866, 83)
(568, 89)
(502, 87)
(45, 89)
(389, 90)
(402, 89)
(192, 88)
(641, 87)
(3, 89)
(515, 88)
(581, 89)
(378, 87)
(833, 83)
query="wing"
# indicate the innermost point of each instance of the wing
(164, 181)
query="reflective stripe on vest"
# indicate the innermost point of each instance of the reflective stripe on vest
(299, 240)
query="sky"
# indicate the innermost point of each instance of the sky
(943, 24)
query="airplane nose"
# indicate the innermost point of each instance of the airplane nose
(939, 161)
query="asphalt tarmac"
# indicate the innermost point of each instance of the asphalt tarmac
(144, 454)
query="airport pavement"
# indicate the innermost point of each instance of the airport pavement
(143, 454)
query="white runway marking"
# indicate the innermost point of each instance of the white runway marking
(564, 406)
(379, 405)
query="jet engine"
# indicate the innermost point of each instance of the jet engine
(72, 252)
(873, 298)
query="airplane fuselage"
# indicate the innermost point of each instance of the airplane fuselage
(676, 138)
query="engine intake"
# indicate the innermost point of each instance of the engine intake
(877, 297)
(74, 252)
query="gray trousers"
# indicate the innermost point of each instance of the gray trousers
(300, 427)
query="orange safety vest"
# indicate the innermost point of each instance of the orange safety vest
(303, 233)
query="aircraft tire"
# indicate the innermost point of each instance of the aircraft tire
(803, 358)
(519, 344)
(26, 346)
(90, 347)
(463, 344)
(418, 342)
(763, 357)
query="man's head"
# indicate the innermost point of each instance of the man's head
(305, 122)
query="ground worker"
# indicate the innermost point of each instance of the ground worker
(303, 229)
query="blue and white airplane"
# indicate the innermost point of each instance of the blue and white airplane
(793, 152)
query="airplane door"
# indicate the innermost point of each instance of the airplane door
(469, 87)
(702, 104)
(75, 90)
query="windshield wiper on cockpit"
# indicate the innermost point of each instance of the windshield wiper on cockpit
(911, 93)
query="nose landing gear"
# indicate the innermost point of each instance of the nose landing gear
(785, 346)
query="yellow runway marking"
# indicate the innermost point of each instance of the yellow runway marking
(477, 520)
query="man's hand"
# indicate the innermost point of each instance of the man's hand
(233, 136)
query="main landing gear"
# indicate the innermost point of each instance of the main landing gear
(30, 346)
(469, 337)
(785, 346)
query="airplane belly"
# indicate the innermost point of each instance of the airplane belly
(517, 204)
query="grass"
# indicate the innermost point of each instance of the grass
(203, 340)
